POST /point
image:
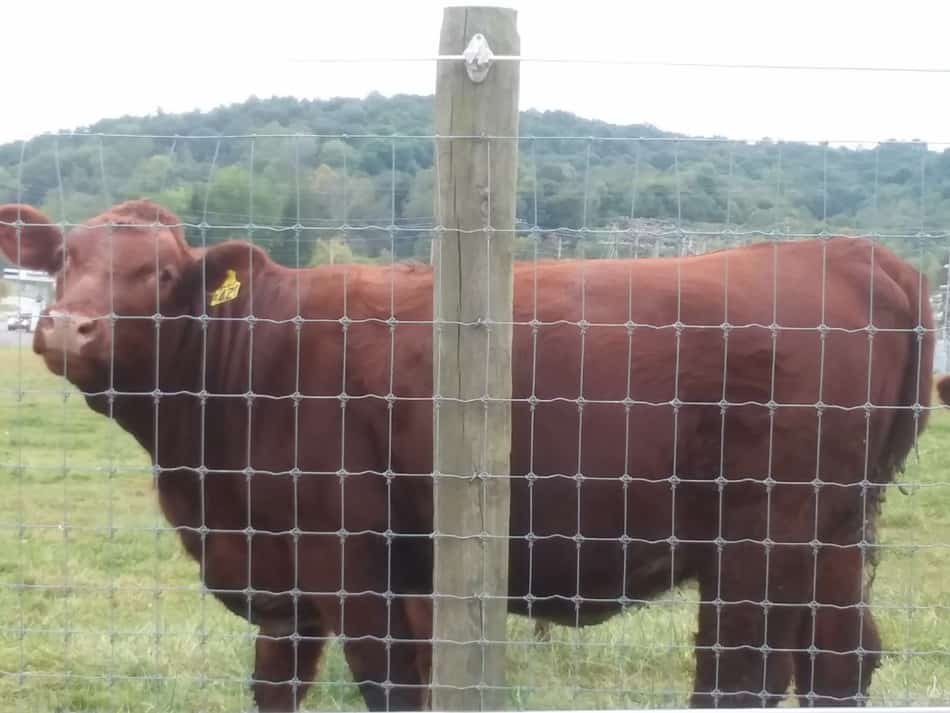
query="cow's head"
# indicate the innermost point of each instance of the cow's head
(117, 275)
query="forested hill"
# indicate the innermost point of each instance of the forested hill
(368, 162)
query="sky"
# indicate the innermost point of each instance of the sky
(66, 65)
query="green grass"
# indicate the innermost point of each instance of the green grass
(103, 612)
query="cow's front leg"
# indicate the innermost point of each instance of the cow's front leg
(384, 633)
(285, 664)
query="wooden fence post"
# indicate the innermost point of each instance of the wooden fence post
(475, 206)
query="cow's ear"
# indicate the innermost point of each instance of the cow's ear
(30, 239)
(223, 271)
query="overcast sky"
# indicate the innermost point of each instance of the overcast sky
(65, 65)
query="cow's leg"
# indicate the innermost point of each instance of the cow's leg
(389, 672)
(838, 645)
(383, 653)
(381, 636)
(747, 624)
(285, 664)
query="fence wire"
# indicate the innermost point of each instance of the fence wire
(291, 456)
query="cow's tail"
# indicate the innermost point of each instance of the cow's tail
(915, 392)
(913, 400)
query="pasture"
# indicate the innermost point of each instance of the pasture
(102, 611)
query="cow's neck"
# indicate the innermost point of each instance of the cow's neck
(179, 433)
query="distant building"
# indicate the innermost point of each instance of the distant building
(20, 304)
(26, 289)
(941, 361)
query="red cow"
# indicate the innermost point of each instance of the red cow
(729, 418)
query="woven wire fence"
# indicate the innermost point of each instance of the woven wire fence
(292, 452)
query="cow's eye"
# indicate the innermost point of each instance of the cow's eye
(166, 276)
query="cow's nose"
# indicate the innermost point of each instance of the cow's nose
(84, 325)
(64, 331)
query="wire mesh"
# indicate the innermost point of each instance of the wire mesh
(291, 451)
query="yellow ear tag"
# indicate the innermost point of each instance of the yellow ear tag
(227, 290)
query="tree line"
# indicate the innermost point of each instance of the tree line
(352, 179)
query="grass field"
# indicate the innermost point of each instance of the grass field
(101, 611)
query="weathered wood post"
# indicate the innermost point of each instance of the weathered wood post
(475, 207)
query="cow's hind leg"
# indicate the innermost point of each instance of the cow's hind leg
(285, 665)
(748, 624)
(838, 645)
